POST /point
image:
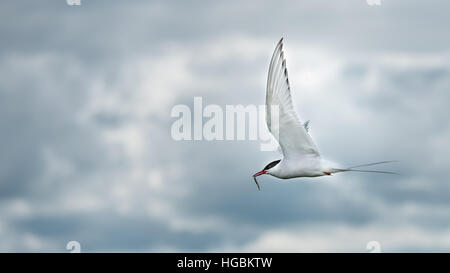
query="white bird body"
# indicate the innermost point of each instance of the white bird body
(305, 167)
(301, 157)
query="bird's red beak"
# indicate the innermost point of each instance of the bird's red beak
(259, 173)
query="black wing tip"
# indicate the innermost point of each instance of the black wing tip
(306, 125)
(280, 43)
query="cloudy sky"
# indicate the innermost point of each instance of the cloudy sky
(86, 94)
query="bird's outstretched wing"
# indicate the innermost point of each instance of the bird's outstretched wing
(282, 120)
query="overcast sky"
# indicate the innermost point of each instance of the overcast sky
(86, 152)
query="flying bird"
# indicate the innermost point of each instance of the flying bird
(301, 157)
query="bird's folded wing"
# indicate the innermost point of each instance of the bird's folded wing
(281, 117)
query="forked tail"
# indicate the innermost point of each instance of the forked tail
(352, 168)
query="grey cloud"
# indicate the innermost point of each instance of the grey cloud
(69, 93)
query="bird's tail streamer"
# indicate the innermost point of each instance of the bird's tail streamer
(353, 168)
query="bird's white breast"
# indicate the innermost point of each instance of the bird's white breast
(308, 167)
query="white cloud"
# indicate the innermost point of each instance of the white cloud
(341, 238)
